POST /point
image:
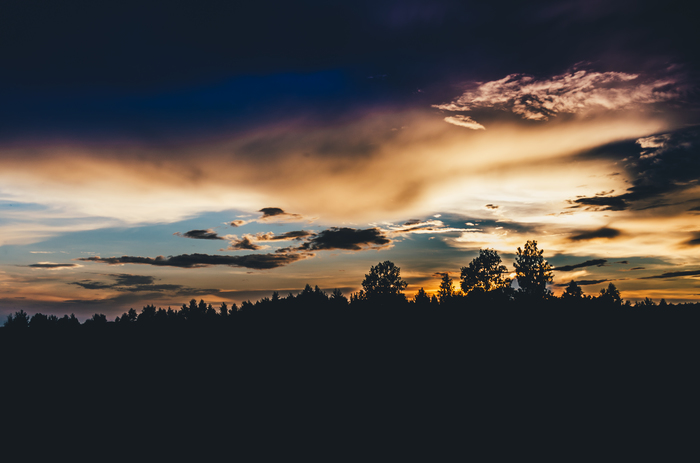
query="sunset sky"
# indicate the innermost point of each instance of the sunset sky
(155, 152)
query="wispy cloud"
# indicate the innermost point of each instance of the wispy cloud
(576, 92)
(53, 266)
(424, 227)
(684, 273)
(464, 121)
(588, 263)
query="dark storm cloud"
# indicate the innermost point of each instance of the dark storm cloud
(49, 265)
(588, 263)
(663, 168)
(604, 232)
(347, 238)
(200, 235)
(253, 261)
(686, 273)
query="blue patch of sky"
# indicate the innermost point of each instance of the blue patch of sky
(242, 100)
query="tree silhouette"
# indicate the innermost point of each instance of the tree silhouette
(20, 320)
(384, 283)
(532, 271)
(572, 292)
(446, 290)
(223, 309)
(485, 273)
(338, 299)
(421, 299)
(610, 296)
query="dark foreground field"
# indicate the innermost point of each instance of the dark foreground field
(374, 384)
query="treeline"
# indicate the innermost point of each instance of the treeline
(483, 285)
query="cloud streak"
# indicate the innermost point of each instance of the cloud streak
(603, 232)
(588, 263)
(53, 266)
(252, 261)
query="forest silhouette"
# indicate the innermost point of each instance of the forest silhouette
(316, 374)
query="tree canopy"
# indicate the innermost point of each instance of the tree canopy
(383, 282)
(485, 273)
(532, 271)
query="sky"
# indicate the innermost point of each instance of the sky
(155, 152)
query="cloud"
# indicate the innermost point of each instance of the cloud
(253, 261)
(246, 243)
(653, 145)
(600, 203)
(686, 273)
(603, 232)
(249, 242)
(239, 223)
(291, 235)
(583, 283)
(126, 279)
(424, 227)
(53, 266)
(200, 235)
(464, 121)
(588, 263)
(122, 282)
(576, 92)
(664, 174)
(491, 206)
(694, 240)
(347, 238)
(275, 213)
